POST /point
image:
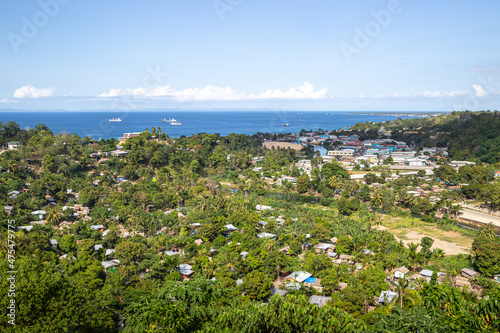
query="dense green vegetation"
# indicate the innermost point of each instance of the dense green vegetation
(150, 202)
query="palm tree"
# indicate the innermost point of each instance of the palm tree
(203, 203)
(351, 187)
(209, 269)
(455, 209)
(413, 254)
(402, 288)
(13, 167)
(334, 182)
(240, 184)
(134, 220)
(63, 168)
(447, 204)
(488, 230)
(53, 217)
(378, 198)
(437, 253)
(230, 259)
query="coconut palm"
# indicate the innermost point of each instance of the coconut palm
(209, 269)
(378, 198)
(335, 182)
(413, 254)
(488, 231)
(437, 253)
(53, 216)
(351, 186)
(455, 210)
(13, 167)
(402, 288)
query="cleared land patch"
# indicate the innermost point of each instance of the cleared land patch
(283, 145)
(413, 230)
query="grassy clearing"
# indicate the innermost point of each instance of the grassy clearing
(401, 226)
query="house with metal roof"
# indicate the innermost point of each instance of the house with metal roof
(97, 227)
(263, 207)
(399, 273)
(53, 242)
(280, 292)
(110, 265)
(262, 223)
(319, 300)
(39, 213)
(387, 296)
(8, 209)
(266, 235)
(230, 228)
(186, 271)
(469, 273)
(299, 276)
(13, 145)
(324, 248)
(293, 286)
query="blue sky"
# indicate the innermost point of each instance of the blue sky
(241, 54)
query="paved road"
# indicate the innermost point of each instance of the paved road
(479, 217)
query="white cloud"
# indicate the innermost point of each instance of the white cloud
(432, 94)
(479, 90)
(31, 92)
(401, 95)
(455, 93)
(306, 91)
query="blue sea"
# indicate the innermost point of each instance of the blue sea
(96, 124)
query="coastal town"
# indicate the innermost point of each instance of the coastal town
(373, 223)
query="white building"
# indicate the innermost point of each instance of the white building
(343, 153)
(13, 144)
(461, 163)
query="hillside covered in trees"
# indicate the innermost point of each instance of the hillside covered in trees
(213, 233)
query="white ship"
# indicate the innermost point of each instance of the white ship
(115, 119)
(175, 122)
(165, 120)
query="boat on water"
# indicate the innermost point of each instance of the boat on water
(175, 122)
(165, 120)
(114, 119)
(285, 125)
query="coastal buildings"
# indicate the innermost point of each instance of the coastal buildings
(341, 153)
(13, 144)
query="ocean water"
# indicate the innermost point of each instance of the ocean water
(97, 125)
